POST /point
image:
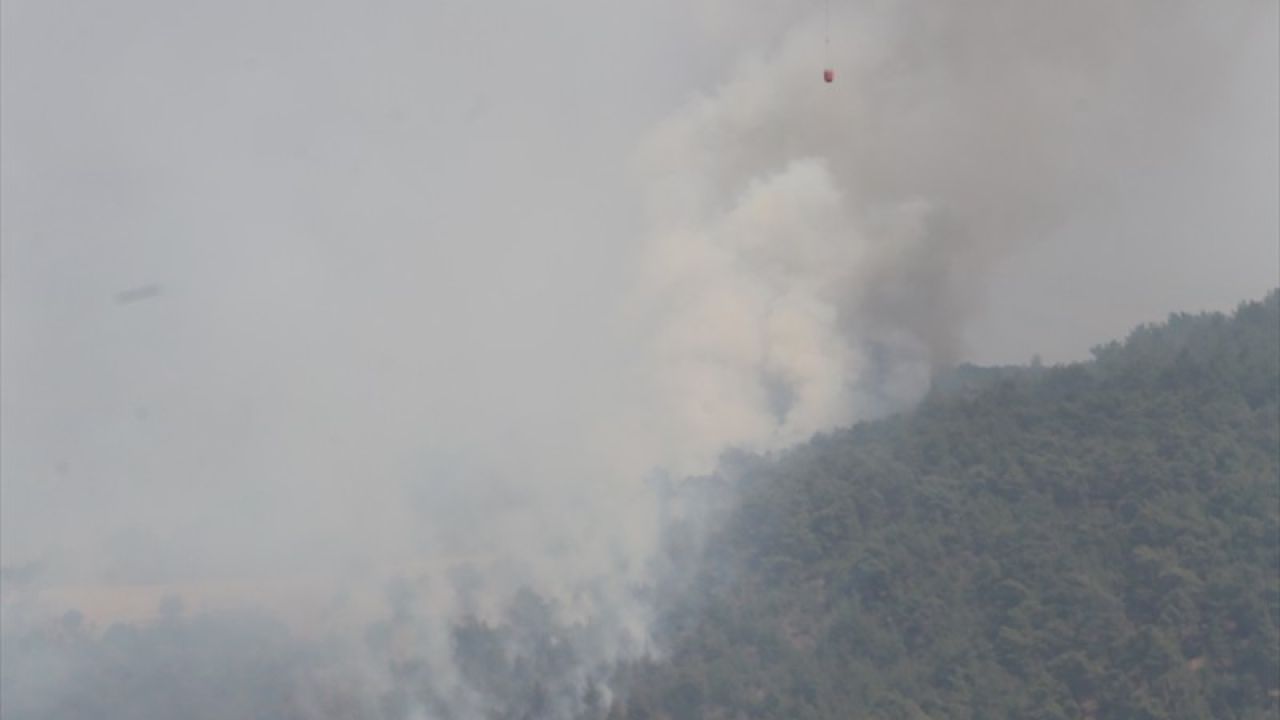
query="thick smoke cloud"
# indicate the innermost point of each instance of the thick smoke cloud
(302, 303)
(820, 249)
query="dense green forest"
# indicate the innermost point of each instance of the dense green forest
(1098, 540)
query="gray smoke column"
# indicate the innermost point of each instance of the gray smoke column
(303, 298)
(819, 249)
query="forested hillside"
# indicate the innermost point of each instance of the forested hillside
(1100, 540)
(1091, 541)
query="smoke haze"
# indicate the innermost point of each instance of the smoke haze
(435, 291)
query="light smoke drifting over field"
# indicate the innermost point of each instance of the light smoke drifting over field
(440, 285)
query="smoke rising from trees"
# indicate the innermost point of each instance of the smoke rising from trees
(446, 287)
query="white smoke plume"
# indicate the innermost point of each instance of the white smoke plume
(390, 321)
(820, 248)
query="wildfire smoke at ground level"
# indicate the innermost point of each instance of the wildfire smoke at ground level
(427, 338)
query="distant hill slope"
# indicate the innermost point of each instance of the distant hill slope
(1100, 540)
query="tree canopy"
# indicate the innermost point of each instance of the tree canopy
(1097, 540)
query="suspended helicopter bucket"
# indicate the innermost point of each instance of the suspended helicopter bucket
(829, 73)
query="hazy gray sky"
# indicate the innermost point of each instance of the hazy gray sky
(445, 280)
(1194, 226)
